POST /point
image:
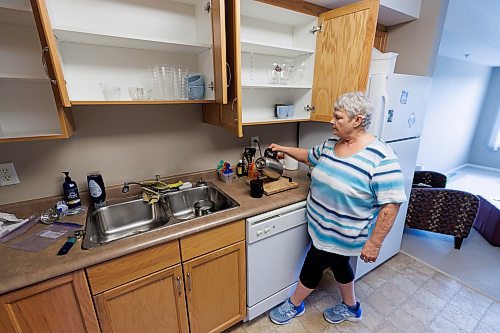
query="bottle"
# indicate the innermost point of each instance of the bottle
(71, 195)
(96, 189)
(239, 169)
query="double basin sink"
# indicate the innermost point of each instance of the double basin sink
(124, 219)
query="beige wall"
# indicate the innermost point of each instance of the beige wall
(417, 42)
(128, 143)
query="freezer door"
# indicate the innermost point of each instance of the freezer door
(404, 102)
(407, 151)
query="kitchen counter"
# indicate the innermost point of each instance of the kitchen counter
(19, 269)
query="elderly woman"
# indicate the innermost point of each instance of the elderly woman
(356, 189)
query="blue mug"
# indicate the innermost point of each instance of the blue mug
(196, 87)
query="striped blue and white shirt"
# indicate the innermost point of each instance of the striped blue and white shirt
(347, 193)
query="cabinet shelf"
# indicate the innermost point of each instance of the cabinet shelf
(269, 49)
(22, 77)
(194, 101)
(86, 37)
(270, 85)
(275, 121)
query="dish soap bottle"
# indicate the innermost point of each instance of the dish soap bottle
(71, 195)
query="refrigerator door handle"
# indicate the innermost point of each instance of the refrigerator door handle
(384, 118)
(411, 120)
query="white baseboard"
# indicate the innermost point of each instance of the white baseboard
(449, 173)
(483, 167)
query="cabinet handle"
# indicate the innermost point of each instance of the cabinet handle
(235, 116)
(189, 281)
(44, 62)
(229, 73)
(179, 285)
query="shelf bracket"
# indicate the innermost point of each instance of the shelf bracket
(207, 7)
(316, 29)
(309, 108)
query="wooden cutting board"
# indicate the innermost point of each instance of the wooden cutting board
(276, 186)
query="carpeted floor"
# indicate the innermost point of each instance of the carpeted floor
(476, 264)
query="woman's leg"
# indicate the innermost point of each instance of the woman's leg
(344, 276)
(347, 292)
(301, 292)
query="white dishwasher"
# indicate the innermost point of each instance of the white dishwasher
(277, 243)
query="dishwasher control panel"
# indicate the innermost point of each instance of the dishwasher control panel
(271, 223)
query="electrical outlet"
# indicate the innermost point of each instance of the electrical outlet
(8, 175)
(254, 144)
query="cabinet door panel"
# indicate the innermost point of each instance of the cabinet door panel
(219, 49)
(155, 303)
(50, 51)
(57, 305)
(215, 288)
(230, 117)
(343, 53)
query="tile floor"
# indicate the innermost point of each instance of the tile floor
(402, 295)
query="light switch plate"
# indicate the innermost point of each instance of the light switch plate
(8, 175)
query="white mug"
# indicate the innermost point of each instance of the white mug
(290, 163)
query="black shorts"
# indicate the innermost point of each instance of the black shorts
(317, 261)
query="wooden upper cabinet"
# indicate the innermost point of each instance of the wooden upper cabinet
(277, 56)
(62, 304)
(343, 54)
(50, 54)
(22, 74)
(134, 52)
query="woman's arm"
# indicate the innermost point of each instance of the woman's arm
(300, 154)
(383, 225)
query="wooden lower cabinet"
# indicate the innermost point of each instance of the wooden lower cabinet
(61, 305)
(154, 303)
(216, 289)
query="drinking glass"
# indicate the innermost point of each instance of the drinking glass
(166, 80)
(110, 92)
(180, 83)
(153, 82)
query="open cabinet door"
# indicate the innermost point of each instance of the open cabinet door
(50, 54)
(343, 54)
(231, 113)
(228, 115)
(219, 50)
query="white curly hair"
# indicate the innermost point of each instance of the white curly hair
(356, 104)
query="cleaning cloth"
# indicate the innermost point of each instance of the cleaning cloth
(9, 223)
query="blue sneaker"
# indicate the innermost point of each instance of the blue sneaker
(342, 312)
(284, 313)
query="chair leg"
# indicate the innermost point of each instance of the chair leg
(458, 242)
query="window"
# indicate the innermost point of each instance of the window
(495, 135)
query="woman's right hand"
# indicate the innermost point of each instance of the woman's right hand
(276, 147)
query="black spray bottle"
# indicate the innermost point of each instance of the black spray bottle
(71, 195)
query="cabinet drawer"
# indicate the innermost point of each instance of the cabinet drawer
(211, 240)
(118, 271)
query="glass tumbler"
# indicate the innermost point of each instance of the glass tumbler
(153, 82)
(166, 80)
(180, 83)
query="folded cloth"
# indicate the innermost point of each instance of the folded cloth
(9, 223)
(20, 230)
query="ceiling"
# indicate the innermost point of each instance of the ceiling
(471, 27)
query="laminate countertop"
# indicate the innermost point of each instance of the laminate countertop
(19, 269)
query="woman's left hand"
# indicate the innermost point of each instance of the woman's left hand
(370, 252)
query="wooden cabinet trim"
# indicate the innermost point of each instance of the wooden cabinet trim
(298, 6)
(121, 270)
(210, 240)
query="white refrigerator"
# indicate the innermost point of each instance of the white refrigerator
(399, 108)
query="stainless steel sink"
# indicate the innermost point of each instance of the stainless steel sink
(181, 203)
(124, 219)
